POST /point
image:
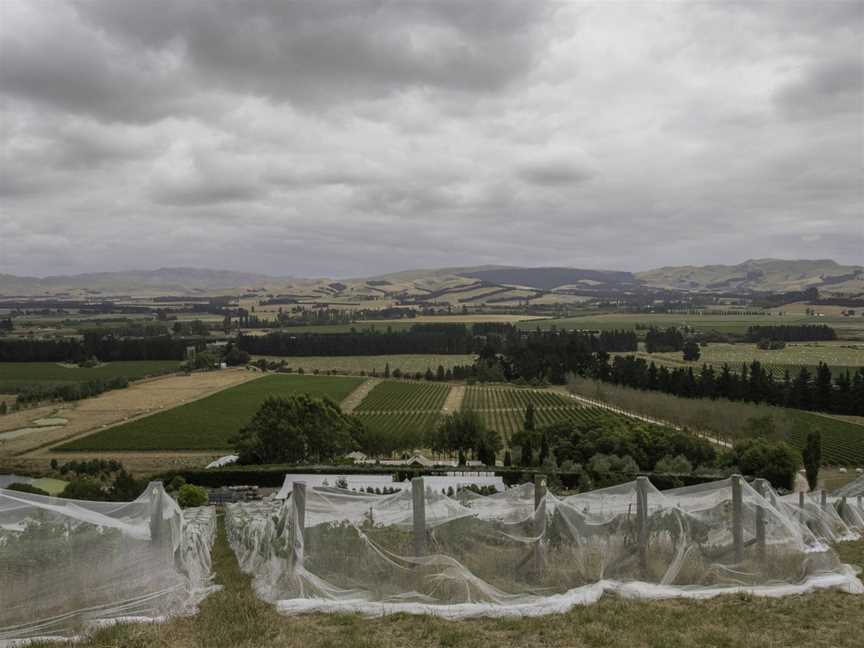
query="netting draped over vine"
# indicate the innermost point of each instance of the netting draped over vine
(67, 566)
(525, 551)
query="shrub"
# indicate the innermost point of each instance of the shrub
(176, 483)
(776, 462)
(191, 495)
(84, 489)
(26, 488)
(678, 465)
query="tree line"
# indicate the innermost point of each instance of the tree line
(753, 382)
(105, 346)
(792, 333)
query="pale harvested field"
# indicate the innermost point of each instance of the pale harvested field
(139, 399)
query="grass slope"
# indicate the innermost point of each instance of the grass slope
(208, 423)
(235, 618)
(16, 374)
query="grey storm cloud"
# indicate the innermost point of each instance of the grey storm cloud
(355, 138)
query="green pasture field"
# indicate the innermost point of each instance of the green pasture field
(355, 364)
(207, 424)
(392, 395)
(847, 327)
(840, 356)
(14, 375)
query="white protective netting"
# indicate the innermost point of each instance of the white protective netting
(511, 554)
(68, 566)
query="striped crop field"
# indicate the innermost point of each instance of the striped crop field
(842, 441)
(503, 408)
(392, 396)
(482, 398)
(403, 413)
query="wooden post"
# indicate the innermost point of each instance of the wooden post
(298, 505)
(824, 499)
(760, 485)
(842, 505)
(539, 522)
(418, 495)
(801, 516)
(737, 521)
(155, 489)
(642, 520)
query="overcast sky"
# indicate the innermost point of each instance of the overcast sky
(349, 139)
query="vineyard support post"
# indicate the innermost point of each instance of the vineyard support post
(418, 496)
(801, 506)
(539, 522)
(642, 520)
(298, 510)
(842, 505)
(760, 486)
(156, 490)
(824, 499)
(737, 521)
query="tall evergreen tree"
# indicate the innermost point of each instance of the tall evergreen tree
(813, 457)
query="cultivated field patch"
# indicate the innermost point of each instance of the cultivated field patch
(840, 356)
(15, 376)
(503, 408)
(207, 424)
(403, 413)
(139, 399)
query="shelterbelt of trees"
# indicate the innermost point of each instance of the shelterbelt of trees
(426, 338)
(106, 347)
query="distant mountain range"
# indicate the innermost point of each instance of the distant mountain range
(463, 285)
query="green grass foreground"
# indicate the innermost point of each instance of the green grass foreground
(236, 618)
(207, 424)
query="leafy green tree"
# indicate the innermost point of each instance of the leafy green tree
(678, 465)
(297, 429)
(776, 462)
(529, 418)
(84, 488)
(812, 456)
(461, 431)
(176, 483)
(191, 495)
(237, 357)
(691, 351)
(508, 459)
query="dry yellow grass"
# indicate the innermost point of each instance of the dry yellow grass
(111, 408)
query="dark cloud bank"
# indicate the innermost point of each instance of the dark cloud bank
(354, 138)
